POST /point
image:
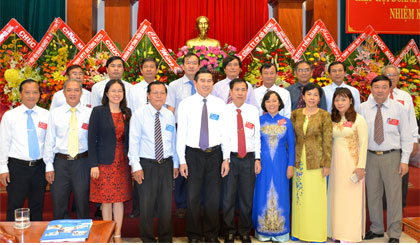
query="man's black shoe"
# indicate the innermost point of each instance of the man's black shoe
(134, 213)
(98, 213)
(193, 240)
(370, 235)
(211, 240)
(245, 239)
(229, 238)
(394, 240)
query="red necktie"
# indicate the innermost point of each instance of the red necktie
(241, 135)
(391, 95)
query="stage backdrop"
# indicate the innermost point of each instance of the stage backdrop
(231, 21)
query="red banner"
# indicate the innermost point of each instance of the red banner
(410, 46)
(44, 42)
(386, 16)
(369, 31)
(162, 50)
(71, 35)
(14, 26)
(318, 27)
(136, 39)
(101, 36)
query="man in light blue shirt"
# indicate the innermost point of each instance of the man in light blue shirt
(154, 162)
(337, 72)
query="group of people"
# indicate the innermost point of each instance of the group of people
(266, 152)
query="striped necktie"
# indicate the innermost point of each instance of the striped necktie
(158, 139)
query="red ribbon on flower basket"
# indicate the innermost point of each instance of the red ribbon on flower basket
(14, 26)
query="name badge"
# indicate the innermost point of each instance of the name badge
(393, 121)
(85, 126)
(214, 116)
(169, 128)
(42, 125)
(89, 106)
(401, 101)
(249, 125)
(347, 124)
(281, 122)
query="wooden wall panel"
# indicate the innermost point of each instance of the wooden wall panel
(288, 14)
(81, 17)
(117, 21)
(326, 10)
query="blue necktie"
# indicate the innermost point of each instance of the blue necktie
(193, 91)
(204, 131)
(32, 137)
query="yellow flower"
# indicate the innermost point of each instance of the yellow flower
(316, 55)
(405, 70)
(12, 77)
(311, 59)
(308, 53)
(323, 59)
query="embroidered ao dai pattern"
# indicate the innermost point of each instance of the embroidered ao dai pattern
(271, 206)
(346, 199)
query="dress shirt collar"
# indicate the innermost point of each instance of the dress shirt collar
(68, 107)
(153, 110)
(24, 108)
(272, 87)
(373, 103)
(334, 86)
(201, 97)
(185, 79)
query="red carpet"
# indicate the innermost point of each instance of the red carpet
(131, 226)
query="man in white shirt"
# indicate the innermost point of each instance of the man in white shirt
(137, 98)
(242, 137)
(73, 72)
(269, 75)
(393, 73)
(154, 162)
(199, 143)
(337, 72)
(177, 91)
(66, 153)
(115, 69)
(389, 148)
(138, 95)
(22, 135)
(232, 67)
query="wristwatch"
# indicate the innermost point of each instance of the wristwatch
(227, 160)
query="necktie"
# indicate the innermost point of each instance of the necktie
(229, 100)
(391, 95)
(378, 135)
(241, 135)
(32, 137)
(158, 139)
(301, 102)
(193, 91)
(204, 131)
(73, 144)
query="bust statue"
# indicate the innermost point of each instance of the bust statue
(202, 26)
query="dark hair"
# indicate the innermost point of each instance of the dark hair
(267, 97)
(112, 59)
(381, 78)
(202, 71)
(72, 67)
(28, 81)
(237, 80)
(188, 55)
(267, 66)
(149, 59)
(229, 59)
(311, 86)
(336, 63)
(350, 113)
(154, 83)
(302, 62)
(123, 104)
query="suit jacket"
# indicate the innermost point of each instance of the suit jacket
(101, 136)
(317, 140)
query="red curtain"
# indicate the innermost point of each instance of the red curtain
(233, 22)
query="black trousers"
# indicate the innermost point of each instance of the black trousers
(25, 181)
(239, 183)
(156, 188)
(71, 175)
(203, 177)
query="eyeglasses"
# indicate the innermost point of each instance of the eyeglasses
(304, 70)
(391, 75)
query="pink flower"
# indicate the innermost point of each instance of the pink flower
(370, 77)
(351, 68)
(179, 54)
(204, 62)
(184, 48)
